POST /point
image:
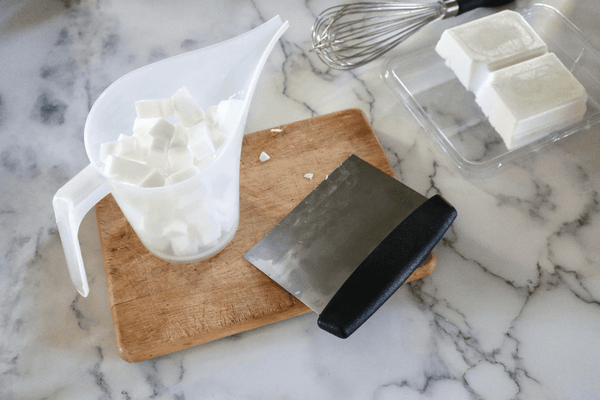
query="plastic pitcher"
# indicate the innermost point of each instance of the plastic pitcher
(208, 201)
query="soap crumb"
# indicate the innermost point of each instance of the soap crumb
(308, 176)
(264, 157)
(276, 130)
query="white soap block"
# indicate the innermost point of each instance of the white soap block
(122, 147)
(161, 244)
(192, 201)
(156, 215)
(218, 137)
(149, 129)
(182, 245)
(143, 139)
(181, 176)
(108, 149)
(227, 223)
(210, 233)
(180, 158)
(157, 153)
(198, 132)
(125, 170)
(200, 164)
(154, 108)
(143, 125)
(187, 111)
(210, 116)
(131, 149)
(200, 142)
(182, 134)
(162, 129)
(531, 99)
(226, 115)
(177, 227)
(153, 179)
(474, 49)
(206, 228)
(226, 214)
(177, 232)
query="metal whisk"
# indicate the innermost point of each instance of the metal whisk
(348, 36)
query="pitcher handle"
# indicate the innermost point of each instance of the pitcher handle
(71, 203)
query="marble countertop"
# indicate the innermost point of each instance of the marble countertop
(512, 310)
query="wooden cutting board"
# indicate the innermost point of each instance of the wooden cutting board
(159, 307)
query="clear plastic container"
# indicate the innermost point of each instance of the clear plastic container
(195, 218)
(452, 118)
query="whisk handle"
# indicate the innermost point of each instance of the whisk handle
(468, 5)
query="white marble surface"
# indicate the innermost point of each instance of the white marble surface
(511, 312)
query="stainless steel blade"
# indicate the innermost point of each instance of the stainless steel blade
(316, 247)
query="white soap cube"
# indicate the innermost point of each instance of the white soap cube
(162, 129)
(157, 153)
(108, 149)
(200, 164)
(182, 245)
(226, 214)
(177, 227)
(474, 49)
(149, 129)
(192, 201)
(218, 137)
(182, 133)
(122, 147)
(181, 176)
(125, 170)
(227, 223)
(130, 148)
(143, 139)
(206, 228)
(226, 115)
(156, 215)
(187, 111)
(154, 108)
(211, 115)
(180, 158)
(153, 179)
(143, 125)
(531, 99)
(161, 244)
(200, 143)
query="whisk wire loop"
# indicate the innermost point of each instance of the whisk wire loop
(351, 35)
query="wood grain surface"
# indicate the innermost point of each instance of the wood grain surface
(159, 307)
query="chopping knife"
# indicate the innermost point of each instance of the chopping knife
(350, 244)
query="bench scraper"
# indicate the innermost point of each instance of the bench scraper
(350, 244)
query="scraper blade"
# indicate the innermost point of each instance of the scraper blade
(348, 246)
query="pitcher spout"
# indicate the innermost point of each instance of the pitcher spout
(257, 46)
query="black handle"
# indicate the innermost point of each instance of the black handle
(387, 267)
(468, 5)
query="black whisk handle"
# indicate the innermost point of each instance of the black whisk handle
(468, 5)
